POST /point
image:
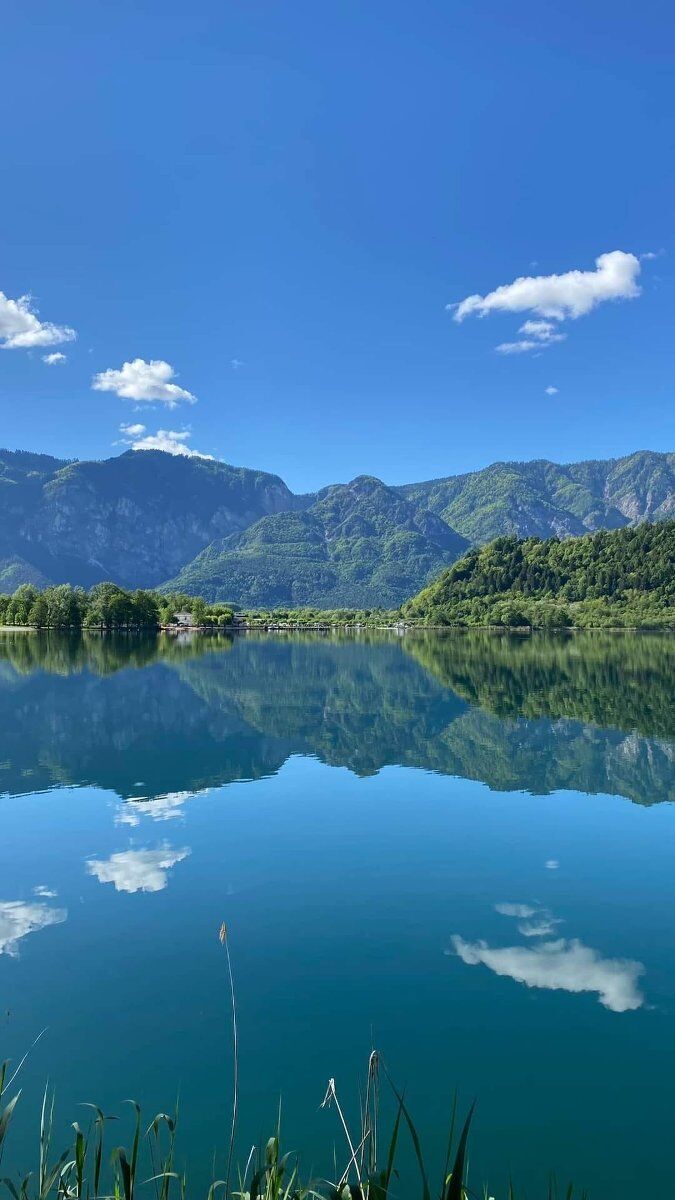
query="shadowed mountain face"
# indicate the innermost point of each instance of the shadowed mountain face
(156, 719)
(135, 519)
(144, 518)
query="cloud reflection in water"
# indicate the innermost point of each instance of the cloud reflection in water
(137, 870)
(562, 964)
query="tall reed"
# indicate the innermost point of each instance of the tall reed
(86, 1170)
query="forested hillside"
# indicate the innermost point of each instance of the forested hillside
(624, 577)
(542, 498)
(360, 544)
(144, 518)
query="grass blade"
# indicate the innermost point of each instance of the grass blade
(455, 1184)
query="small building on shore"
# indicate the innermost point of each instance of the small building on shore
(183, 618)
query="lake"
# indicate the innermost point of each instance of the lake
(457, 848)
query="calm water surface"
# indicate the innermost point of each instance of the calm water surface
(461, 847)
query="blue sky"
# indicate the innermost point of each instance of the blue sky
(278, 200)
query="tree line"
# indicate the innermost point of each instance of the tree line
(621, 577)
(105, 606)
(613, 578)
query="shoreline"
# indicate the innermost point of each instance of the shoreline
(401, 629)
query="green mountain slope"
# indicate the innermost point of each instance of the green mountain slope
(543, 498)
(144, 517)
(359, 545)
(623, 577)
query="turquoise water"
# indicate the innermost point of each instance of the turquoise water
(457, 848)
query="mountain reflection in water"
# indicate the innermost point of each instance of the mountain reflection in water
(156, 719)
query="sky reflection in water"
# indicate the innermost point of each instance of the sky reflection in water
(463, 843)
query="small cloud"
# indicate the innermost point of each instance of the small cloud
(522, 347)
(170, 441)
(515, 910)
(18, 919)
(158, 808)
(543, 331)
(535, 921)
(651, 254)
(551, 390)
(145, 382)
(22, 329)
(541, 926)
(45, 892)
(236, 363)
(56, 357)
(551, 864)
(137, 870)
(539, 334)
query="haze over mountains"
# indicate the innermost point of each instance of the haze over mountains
(149, 519)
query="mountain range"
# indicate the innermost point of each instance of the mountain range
(150, 519)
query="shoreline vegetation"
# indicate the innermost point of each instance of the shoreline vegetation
(365, 1158)
(154, 1161)
(622, 579)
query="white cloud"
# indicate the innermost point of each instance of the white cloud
(171, 441)
(521, 347)
(542, 925)
(534, 920)
(543, 331)
(236, 363)
(52, 359)
(551, 391)
(143, 381)
(18, 919)
(572, 294)
(539, 335)
(45, 892)
(158, 808)
(22, 329)
(560, 965)
(515, 910)
(551, 864)
(137, 870)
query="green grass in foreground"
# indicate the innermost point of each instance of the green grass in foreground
(86, 1170)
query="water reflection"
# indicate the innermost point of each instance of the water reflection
(534, 920)
(157, 808)
(343, 892)
(18, 918)
(137, 870)
(569, 966)
(592, 713)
